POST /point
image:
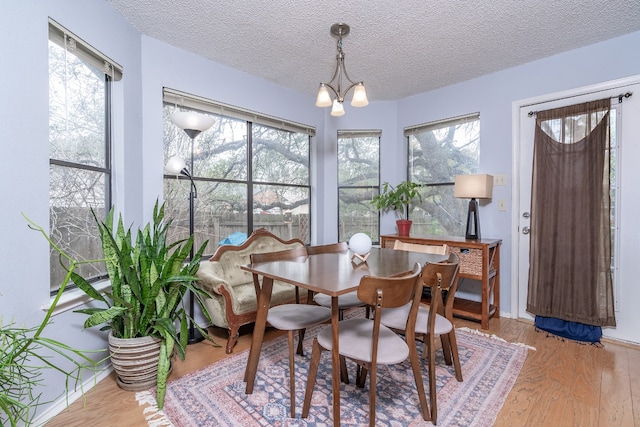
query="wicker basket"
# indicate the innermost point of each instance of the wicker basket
(470, 259)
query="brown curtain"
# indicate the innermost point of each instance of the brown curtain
(570, 256)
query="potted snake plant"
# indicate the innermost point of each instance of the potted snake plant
(149, 280)
(398, 199)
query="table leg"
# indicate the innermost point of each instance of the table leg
(335, 359)
(264, 301)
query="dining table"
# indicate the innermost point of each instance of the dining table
(333, 274)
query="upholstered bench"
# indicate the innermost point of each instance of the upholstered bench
(232, 298)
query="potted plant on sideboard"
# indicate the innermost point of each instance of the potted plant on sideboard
(149, 280)
(398, 199)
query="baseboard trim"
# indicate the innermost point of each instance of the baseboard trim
(65, 400)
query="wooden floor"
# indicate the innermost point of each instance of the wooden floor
(561, 384)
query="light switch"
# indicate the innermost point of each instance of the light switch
(502, 205)
(499, 180)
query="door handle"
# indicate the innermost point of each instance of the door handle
(526, 230)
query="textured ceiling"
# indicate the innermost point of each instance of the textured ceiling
(398, 48)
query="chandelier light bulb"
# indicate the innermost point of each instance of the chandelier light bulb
(359, 96)
(338, 109)
(323, 99)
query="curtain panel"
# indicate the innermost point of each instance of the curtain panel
(570, 253)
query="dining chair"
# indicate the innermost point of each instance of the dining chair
(369, 343)
(291, 317)
(433, 320)
(345, 301)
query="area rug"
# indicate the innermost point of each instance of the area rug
(215, 395)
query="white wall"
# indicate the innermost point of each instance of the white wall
(24, 184)
(149, 65)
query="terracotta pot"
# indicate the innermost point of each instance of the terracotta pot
(404, 226)
(135, 361)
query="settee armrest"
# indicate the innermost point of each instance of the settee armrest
(209, 282)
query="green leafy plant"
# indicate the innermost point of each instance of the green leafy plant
(397, 198)
(149, 280)
(25, 353)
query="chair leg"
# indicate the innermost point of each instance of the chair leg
(311, 377)
(446, 348)
(234, 333)
(292, 376)
(300, 350)
(372, 395)
(454, 353)
(432, 380)
(361, 377)
(417, 375)
(344, 375)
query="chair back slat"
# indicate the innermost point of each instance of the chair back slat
(328, 249)
(415, 247)
(397, 291)
(288, 254)
(442, 279)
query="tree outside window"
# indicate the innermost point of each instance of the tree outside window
(437, 153)
(358, 183)
(248, 176)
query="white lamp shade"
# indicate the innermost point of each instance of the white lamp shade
(175, 165)
(360, 244)
(359, 96)
(338, 109)
(323, 99)
(190, 120)
(473, 186)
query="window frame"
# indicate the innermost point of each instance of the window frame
(95, 60)
(188, 102)
(440, 187)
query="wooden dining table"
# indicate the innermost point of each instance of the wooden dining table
(332, 274)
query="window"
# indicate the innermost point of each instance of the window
(437, 153)
(79, 149)
(250, 170)
(358, 183)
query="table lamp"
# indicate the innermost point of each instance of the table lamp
(473, 187)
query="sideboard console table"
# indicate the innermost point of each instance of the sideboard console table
(479, 260)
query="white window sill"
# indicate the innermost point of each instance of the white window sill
(75, 298)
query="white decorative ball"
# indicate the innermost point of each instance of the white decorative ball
(360, 244)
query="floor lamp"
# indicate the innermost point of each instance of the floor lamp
(193, 124)
(473, 187)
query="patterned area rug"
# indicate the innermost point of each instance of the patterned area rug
(214, 396)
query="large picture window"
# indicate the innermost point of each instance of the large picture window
(438, 152)
(358, 183)
(251, 172)
(79, 149)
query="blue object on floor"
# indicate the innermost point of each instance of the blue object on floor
(570, 330)
(235, 239)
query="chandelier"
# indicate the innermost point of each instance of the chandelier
(339, 87)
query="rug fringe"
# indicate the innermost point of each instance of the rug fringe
(495, 337)
(155, 418)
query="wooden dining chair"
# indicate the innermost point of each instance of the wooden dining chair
(345, 301)
(369, 343)
(291, 317)
(433, 320)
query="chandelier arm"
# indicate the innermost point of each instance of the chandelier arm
(335, 92)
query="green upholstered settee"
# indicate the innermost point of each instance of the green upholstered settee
(232, 298)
